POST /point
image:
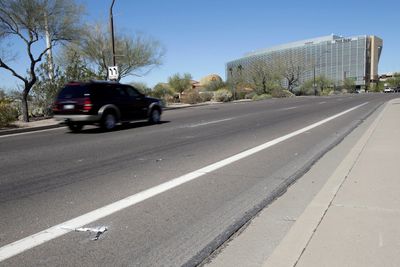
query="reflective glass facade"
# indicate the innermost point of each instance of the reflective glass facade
(334, 57)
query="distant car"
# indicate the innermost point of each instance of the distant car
(103, 103)
(388, 90)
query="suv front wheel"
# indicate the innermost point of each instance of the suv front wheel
(108, 121)
(155, 116)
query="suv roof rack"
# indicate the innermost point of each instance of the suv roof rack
(104, 81)
(92, 81)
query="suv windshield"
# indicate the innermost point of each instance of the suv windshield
(73, 91)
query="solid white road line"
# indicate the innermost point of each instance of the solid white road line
(31, 132)
(37, 239)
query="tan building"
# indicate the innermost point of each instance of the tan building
(374, 47)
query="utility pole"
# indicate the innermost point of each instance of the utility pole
(112, 32)
(314, 85)
(315, 63)
(49, 50)
(231, 80)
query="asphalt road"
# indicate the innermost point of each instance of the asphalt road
(48, 178)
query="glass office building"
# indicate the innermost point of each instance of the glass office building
(334, 57)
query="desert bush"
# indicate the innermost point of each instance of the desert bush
(250, 95)
(326, 92)
(281, 93)
(8, 113)
(162, 91)
(191, 97)
(334, 92)
(206, 96)
(261, 97)
(241, 93)
(306, 91)
(222, 95)
(215, 85)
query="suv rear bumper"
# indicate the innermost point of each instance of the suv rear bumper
(78, 118)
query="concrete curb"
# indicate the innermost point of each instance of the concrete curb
(291, 248)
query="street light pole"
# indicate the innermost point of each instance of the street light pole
(314, 85)
(319, 58)
(112, 33)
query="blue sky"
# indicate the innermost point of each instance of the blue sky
(201, 36)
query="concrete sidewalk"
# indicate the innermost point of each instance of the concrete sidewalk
(355, 219)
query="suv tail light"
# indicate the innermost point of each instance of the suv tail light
(87, 104)
(56, 106)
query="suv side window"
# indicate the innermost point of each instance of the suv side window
(132, 92)
(119, 92)
(102, 92)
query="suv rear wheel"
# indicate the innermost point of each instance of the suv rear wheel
(108, 121)
(75, 127)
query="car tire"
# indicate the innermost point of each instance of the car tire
(75, 127)
(108, 121)
(155, 116)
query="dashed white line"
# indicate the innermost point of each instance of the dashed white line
(206, 123)
(287, 108)
(39, 238)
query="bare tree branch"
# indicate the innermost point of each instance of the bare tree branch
(5, 66)
(135, 56)
(26, 20)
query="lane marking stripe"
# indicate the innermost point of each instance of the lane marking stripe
(39, 238)
(31, 132)
(287, 108)
(207, 123)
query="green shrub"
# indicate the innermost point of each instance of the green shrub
(222, 95)
(191, 97)
(281, 93)
(162, 92)
(306, 91)
(8, 113)
(334, 92)
(206, 96)
(326, 92)
(215, 85)
(250, 95)
(375, 88)
(261, 97)
(241, 93)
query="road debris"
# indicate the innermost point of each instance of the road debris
(99, 231)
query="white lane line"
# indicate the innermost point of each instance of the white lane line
(206, 123)
(39, 238)
(287, 108)
(323, 102)
(31, 132)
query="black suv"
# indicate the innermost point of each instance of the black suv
(104, 103)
